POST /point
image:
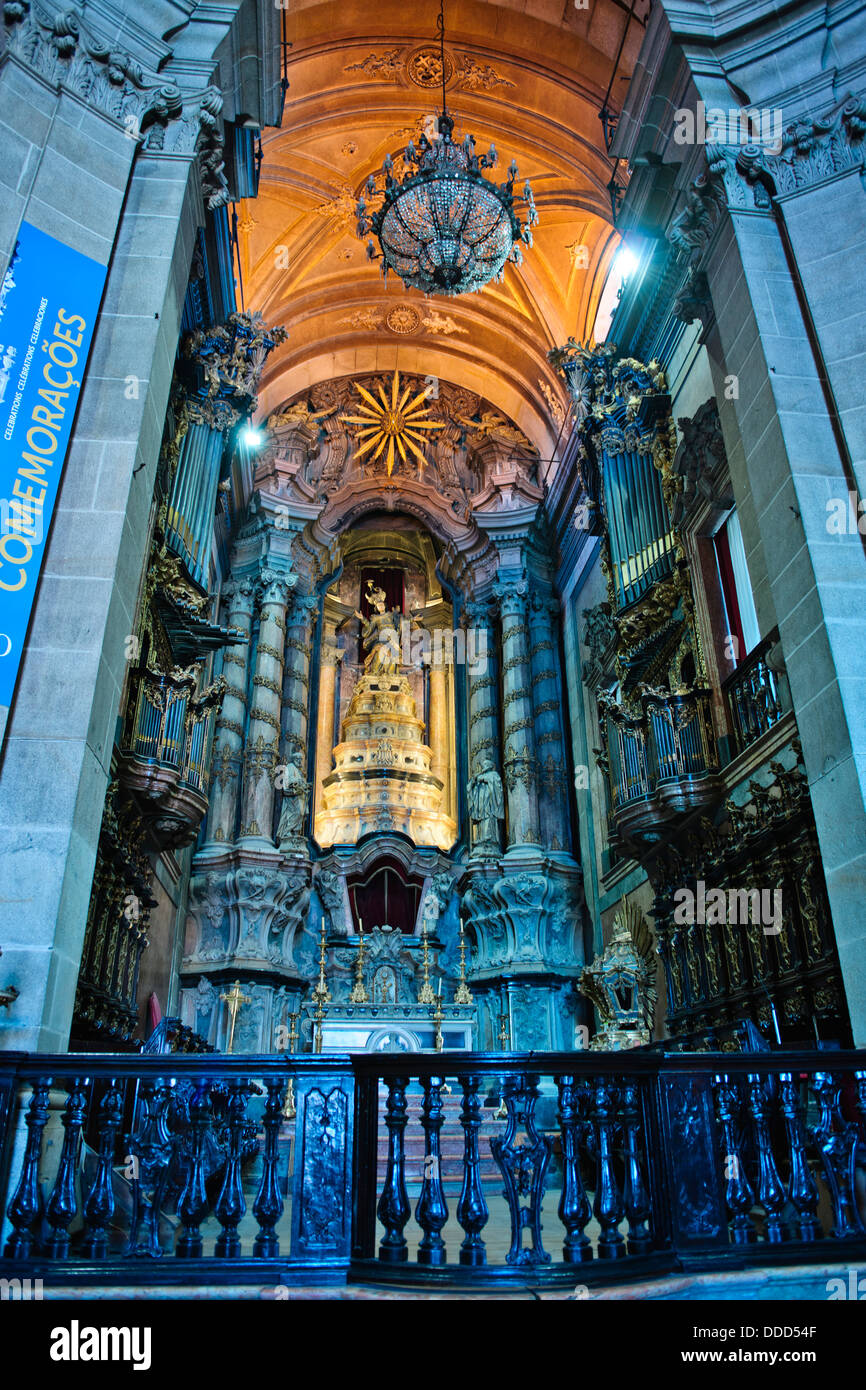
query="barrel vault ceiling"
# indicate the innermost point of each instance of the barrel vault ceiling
(528, 76)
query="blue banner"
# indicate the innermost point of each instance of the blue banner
(49, 302)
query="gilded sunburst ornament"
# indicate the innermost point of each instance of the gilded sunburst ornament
(388, 423)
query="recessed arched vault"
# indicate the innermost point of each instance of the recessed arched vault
(361, 86)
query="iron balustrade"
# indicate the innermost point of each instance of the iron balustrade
(464, 1167)
(753, 697)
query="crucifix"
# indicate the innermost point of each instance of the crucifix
(234, 998)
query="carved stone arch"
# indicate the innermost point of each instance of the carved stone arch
(469, 558)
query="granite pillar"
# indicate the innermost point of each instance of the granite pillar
(260, 753)
(228, 743)
(519, 760)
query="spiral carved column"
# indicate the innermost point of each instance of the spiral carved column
(228, 744)
(300, 619)
(547, 698)
(260, 755)
(519, 759)
(483, 687)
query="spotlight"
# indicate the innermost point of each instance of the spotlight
(626, 262)
(252, 437)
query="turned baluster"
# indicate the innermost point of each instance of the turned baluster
(150, 1149)
(802, 1190)
(771, 1192)
(268, 1206)
(393, 1209)
(860, 1078)
(99, 1203)
(836, 1143)
(193, 1206)
(738, 1193)
(25, 1208)
(636, 1197)
(472, 1210)
(62, 1205)
(431, 1213)
(608, 1207)
(574, 1208)
(230, 1204)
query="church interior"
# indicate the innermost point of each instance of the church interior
(433, 782)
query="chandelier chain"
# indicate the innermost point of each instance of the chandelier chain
(440, 24)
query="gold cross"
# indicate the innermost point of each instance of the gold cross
(234, 999)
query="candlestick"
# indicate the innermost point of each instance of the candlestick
(426, 995)
(438, 1039)
(463, 994)
(359, 993)
(505, 1024)
(321, 993)
(288, 1111)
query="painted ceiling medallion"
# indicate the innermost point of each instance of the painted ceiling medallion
(443, 227)
(386, 423)
(424, 67)
(403, 318)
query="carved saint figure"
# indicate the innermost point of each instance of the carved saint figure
(296, 791)
(380, 634)
(330, 886)
(486, 802)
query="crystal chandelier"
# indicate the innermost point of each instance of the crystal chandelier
(443, 227)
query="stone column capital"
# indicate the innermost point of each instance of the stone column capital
(511, 595)
(302, 609)
(240, 595)
(275, 587)
(478, 612)
(543, 606)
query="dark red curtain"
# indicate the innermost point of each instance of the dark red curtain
(392, 580)
(383, 895)
(729, 589)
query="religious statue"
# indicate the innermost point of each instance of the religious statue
(430, 913)
(486, 803)
(296, 791)
(380, 634)
(330, 886)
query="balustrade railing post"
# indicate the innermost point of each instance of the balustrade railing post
(231, 1205)
(608, 1207)
(431, 1213)
(99, 1203)
(836, 1141)
(574, 1208)
(771, 1193)
(393, 1209)
(738, 1192)
(149, 1150)
(193, 1205)
(62, 1205)
(802, 1188)
(25, 1207)
(635, 1195)
(268, 1206)
(472, 1210)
